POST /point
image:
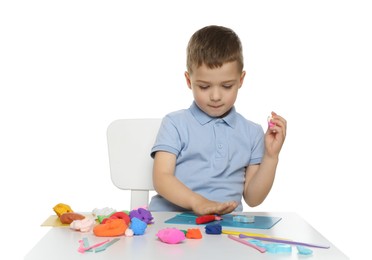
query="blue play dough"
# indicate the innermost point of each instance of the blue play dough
(138, 226)
(214, 229)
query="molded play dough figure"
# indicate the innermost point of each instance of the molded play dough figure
(61, 208)
(138, 226)
(103, 211)
(129, 232)
(142, 214)
(118, 215)
(193, 233)
(84, 225)
(171, 235)
(213, 229)
(112, 228)
(68, 217)
(65, 214)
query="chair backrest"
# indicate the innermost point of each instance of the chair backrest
(129, 145)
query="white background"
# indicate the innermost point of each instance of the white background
(69, 68)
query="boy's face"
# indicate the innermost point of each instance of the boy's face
(215, 90)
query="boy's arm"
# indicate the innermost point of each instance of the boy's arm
(168, 186)
(260, 178)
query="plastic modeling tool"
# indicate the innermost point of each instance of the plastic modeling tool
(82, 249)
(237, 233)
(86, 244)
(106, 245)
(284, 241)
(261, 249)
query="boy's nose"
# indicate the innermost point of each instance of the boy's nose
(215, 94)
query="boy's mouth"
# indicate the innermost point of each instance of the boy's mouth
(214, 106)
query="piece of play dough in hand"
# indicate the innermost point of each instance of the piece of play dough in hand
(271, 124)
(171, 235)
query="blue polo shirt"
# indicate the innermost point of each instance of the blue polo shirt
(212, 153)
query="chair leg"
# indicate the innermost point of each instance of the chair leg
(139, 198)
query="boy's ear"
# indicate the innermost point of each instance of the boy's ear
(188, 81)
(242, 76)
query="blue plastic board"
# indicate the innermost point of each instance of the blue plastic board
(260, 222)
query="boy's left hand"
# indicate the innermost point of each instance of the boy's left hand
(213, 207)
(275, 135)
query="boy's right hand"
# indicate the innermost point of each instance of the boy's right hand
(213, 207)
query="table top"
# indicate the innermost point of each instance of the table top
(62, 242)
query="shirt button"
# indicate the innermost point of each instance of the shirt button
(220, 146)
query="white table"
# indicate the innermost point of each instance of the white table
(62, 243)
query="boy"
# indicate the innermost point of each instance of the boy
(208, 156)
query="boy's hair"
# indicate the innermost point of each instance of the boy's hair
(213, 46)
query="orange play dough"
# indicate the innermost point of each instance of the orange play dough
(194, 233)
(111, 228)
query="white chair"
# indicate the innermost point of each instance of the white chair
(129, 145)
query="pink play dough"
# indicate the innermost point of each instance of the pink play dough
(171, 235)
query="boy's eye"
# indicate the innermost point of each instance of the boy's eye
(227, 86)
(203, 86)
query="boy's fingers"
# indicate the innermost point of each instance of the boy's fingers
(280, 120)
(277, 124)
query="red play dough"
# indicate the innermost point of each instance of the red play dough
(118, 215)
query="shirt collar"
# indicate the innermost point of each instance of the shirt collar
(203, 118)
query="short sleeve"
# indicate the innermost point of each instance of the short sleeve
(258, 146)
(168, 138)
